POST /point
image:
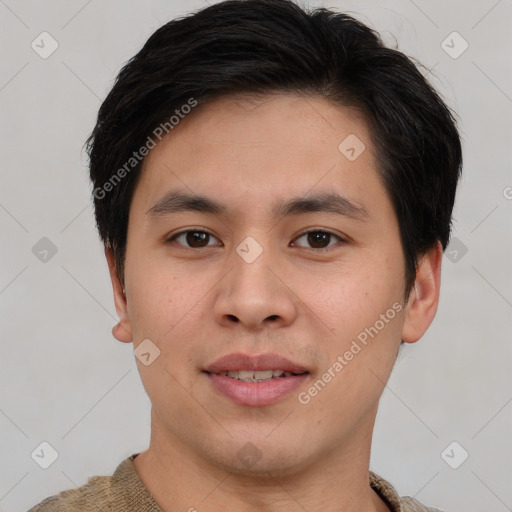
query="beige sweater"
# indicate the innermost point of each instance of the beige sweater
(125, 492)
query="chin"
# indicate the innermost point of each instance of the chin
(260, 457)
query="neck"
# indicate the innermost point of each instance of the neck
(179, 478)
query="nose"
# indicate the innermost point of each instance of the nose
(255, 295)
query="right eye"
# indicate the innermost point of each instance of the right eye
(192, 239)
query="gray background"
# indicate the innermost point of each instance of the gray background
(66, 381)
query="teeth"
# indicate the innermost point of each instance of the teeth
(256, 376)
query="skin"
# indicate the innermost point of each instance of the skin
(305, 303)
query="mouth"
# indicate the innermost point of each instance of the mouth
(258, 375)
(255, 380)
(258, 364)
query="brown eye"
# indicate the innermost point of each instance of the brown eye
(193, 239)
(197, 238)
(318, 239)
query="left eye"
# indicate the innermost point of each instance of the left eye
(193, 239)
(318, 239)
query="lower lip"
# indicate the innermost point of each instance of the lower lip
(256, 393)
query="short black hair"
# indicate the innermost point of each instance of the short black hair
(254, 47)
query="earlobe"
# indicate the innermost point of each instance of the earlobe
(122, 330)
(424, 297)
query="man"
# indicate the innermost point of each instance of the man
(274, 191)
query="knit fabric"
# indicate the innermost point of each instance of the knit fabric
(125, 492)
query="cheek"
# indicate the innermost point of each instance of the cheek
(343, 298)
(366, 316)
(166, 310)
(159, 300)
(169, 303)
(360, 304)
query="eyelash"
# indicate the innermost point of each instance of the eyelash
(323, 249)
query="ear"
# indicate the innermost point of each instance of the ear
(122, 331)
(424, 297)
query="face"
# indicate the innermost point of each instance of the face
(261, 238)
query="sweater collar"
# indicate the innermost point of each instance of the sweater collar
(138, 493)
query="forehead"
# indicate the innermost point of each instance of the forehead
(257, 149)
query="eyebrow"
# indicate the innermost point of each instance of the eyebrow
(178, 202)
(322, 202)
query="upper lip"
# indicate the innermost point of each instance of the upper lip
(260, 362)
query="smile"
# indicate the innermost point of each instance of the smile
(256, 376)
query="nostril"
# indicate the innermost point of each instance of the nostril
(273, 317)
(233, 317)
